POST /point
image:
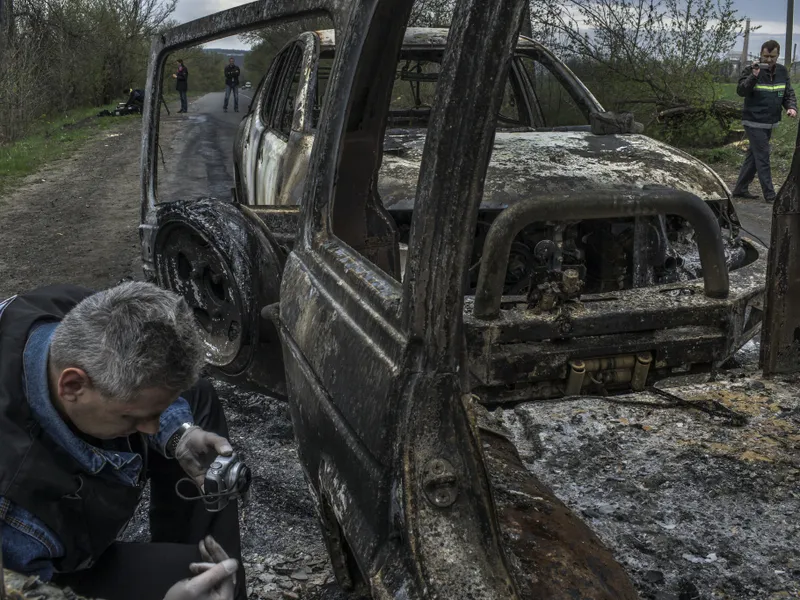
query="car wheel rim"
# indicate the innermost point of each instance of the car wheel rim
(190, 266)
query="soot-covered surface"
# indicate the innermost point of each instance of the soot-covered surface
(696, 504)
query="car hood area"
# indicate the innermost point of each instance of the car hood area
(543, 163)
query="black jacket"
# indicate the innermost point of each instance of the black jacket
(87, 512)
(765, 95)
(232, 75)
(136, 99)
(183, 79)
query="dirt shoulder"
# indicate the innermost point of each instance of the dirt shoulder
(76, 220)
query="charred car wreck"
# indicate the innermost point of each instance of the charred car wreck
(406, 277)
(587, 304)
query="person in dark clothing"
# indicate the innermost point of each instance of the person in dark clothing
(182, 84)
(90, 409)
(232, 73)
(134, 105)
(766, 91)
(135, 101)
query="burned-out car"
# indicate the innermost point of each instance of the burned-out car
(391, 332)
(566, 322)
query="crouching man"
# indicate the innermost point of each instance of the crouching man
(100, 392)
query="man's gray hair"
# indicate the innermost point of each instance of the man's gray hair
(129, 338)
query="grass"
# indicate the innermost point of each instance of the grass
(727, 91)
(51, 139)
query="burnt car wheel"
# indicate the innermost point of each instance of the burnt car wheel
(221, 261)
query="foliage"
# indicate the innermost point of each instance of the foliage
(266, 43)
(646, 56)
(56, 55)
(658, 53)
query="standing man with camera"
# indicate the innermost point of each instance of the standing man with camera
(232, 73)
(91, 407)
(766, 89)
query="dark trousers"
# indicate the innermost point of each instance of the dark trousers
(184, 100)
(228, 90)
(129, 571)
(756, 161)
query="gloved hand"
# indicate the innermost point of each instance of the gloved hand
(197, 449)
(216, 583)
(212, 553)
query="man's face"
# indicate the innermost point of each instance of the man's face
(107, 418)
(769, 57)
(231, 62)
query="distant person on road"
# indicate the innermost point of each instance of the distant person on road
(232, 73)
(182, 85)
(766, 90)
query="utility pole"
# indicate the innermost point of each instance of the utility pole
(789, 28)
(743, 62)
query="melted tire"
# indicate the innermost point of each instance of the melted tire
(221, 260)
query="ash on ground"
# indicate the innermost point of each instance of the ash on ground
(694, 488)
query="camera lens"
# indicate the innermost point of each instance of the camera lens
(243, 477)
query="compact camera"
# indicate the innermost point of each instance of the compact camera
(227, 477)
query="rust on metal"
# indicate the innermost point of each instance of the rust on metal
(780, 344)
(507, 226)
(554, 553)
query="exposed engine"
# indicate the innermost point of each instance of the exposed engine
(552, 261)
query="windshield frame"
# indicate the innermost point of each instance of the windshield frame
(434, 53)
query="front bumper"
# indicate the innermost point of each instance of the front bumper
(523, 356)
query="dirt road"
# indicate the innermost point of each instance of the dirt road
(76, 221)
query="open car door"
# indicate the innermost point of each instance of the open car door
(217, 253)
(419, 494)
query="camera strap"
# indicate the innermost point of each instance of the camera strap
(212, 501)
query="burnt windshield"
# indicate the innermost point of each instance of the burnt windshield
(414, 90)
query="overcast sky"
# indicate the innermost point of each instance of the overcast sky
(771, 15)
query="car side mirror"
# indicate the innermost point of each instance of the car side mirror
(609, 123)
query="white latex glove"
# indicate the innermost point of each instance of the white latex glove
(197, 449)
(215, 583)
(212, 553)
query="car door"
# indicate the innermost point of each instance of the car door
(377, 398)
(286, 132)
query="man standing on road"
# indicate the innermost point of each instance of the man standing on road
(766, 89)
(90, 408)
(231, 85)
(182, 85)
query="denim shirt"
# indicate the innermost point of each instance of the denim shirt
(29, 546)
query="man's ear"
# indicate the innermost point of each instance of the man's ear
(72, 383)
